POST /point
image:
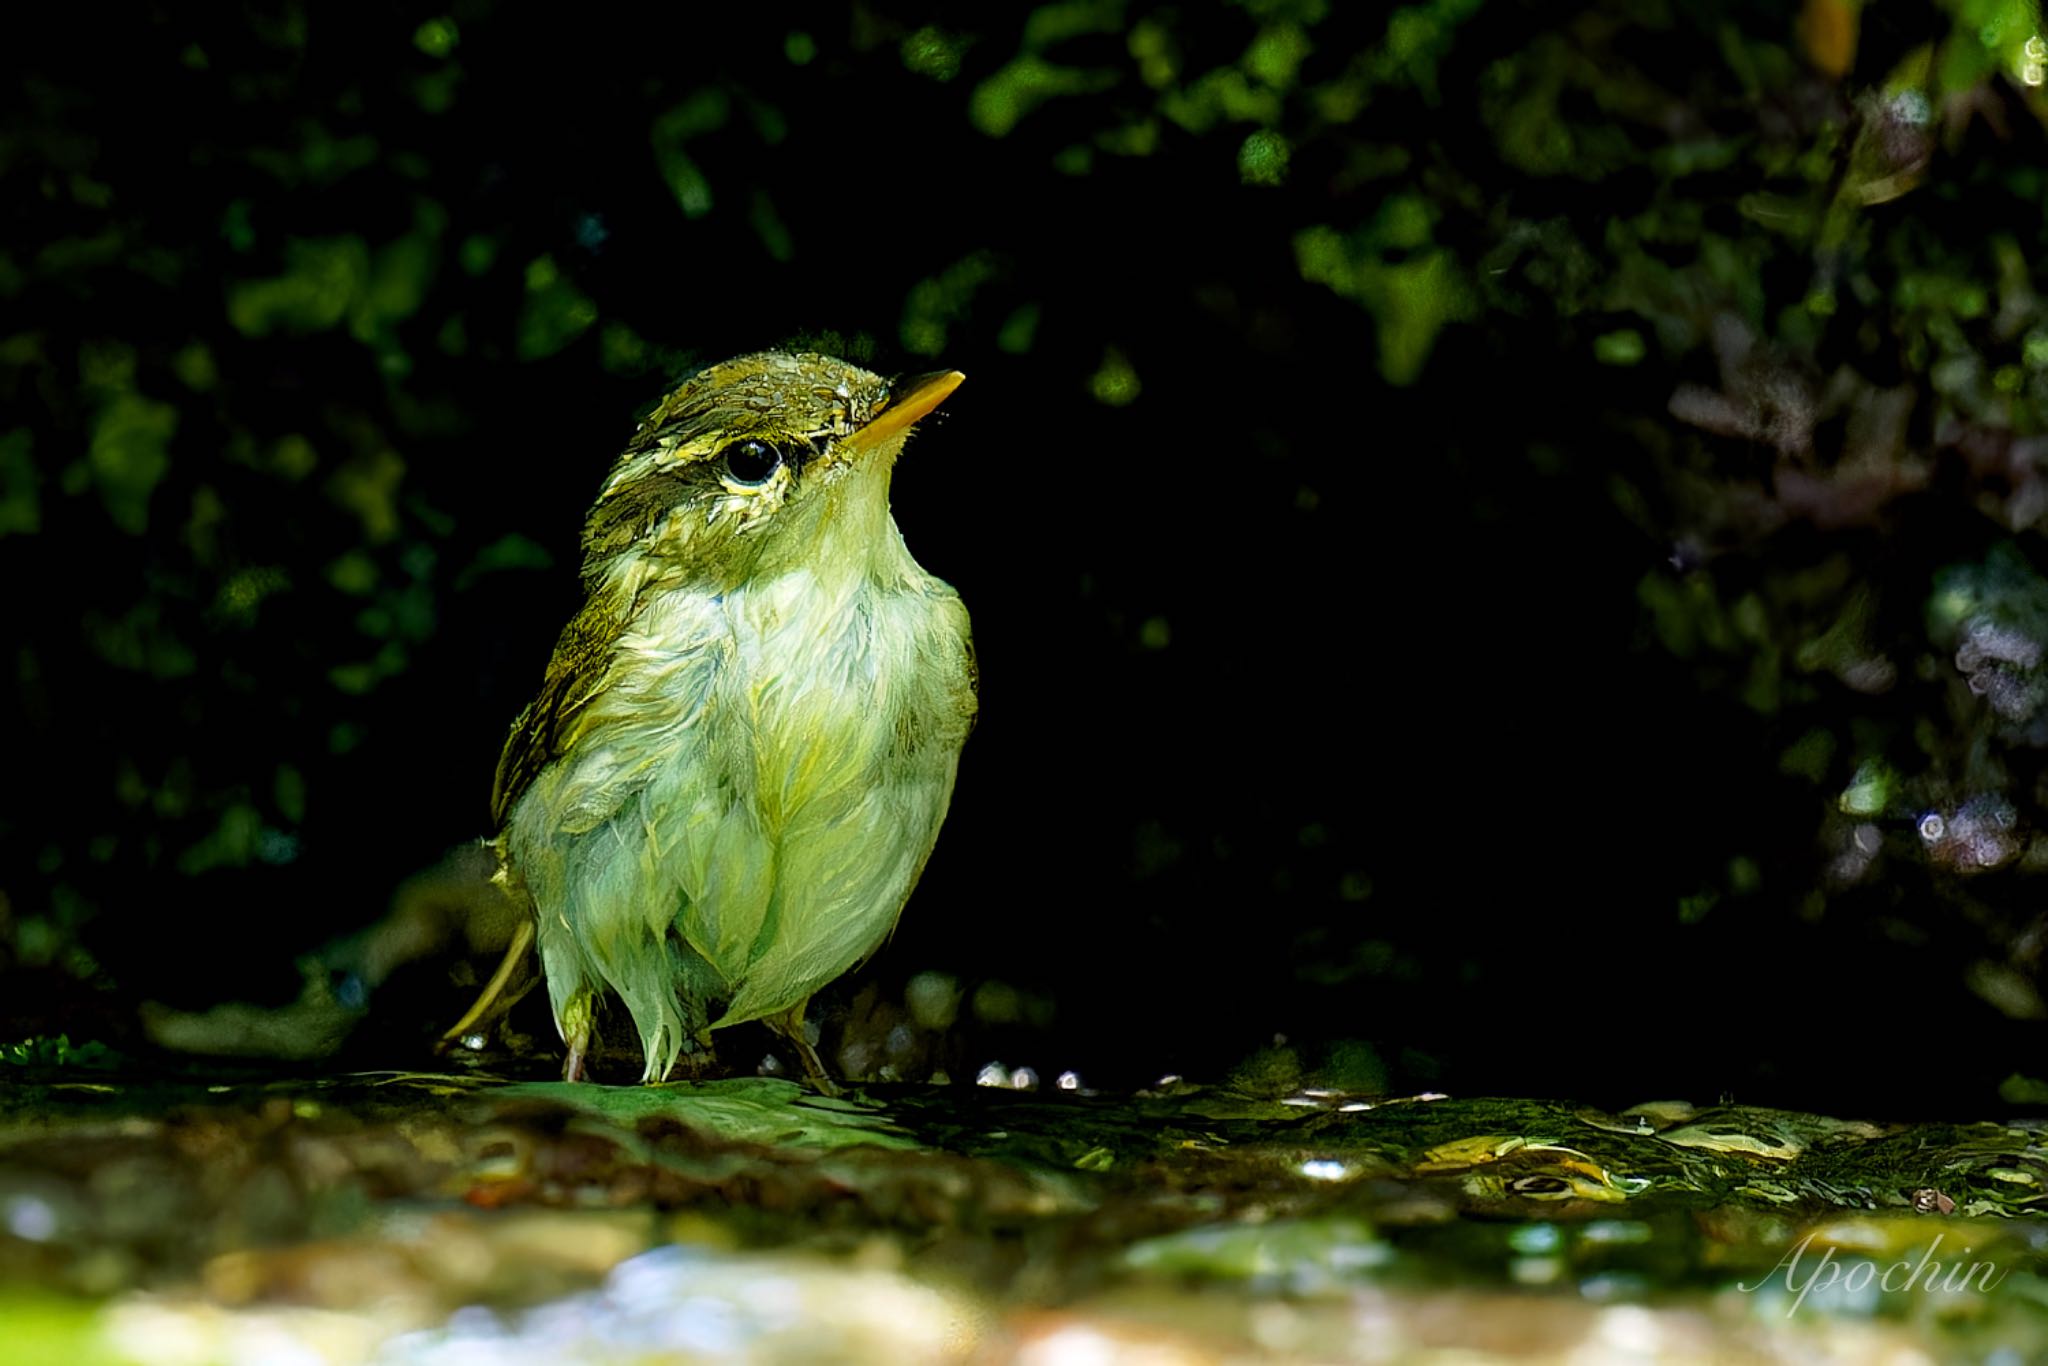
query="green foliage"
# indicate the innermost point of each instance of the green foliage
(1005, 98)
(20, 484)
(557, 312)
(703, 113)
(1262, 158)
(1115, 383)
(58, 1051)
(437, 37)
(934, 53)
(938, 301)
(128, 456)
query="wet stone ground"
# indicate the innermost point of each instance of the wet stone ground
(467, 1218)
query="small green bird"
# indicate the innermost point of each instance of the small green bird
(738, 763)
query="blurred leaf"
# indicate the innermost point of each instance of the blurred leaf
(436, 37)
(1827, 32)
(129, 456)
(556, 311)
(1989, 36)
(44, 1051)
(1000, 102)
(938, 301)
(1115, 381)
(323, 278)
(1623, 347)
(703, 112)
(368, 486)
(20, 484)
(934, 53)
(1262, 159)
(510, 551)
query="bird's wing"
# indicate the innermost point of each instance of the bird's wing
(553, 720)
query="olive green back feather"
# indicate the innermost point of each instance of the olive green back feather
(548, 727)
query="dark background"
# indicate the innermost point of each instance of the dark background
(1451, 498)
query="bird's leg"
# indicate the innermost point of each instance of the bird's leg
(488, 1004)
(790, 1025)
(575, 1024)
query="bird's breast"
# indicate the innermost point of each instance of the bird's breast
(801, 690)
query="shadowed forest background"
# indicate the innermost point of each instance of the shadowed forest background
(1504, 539)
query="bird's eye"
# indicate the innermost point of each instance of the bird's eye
(750, 462)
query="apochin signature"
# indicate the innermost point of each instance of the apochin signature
(1926, 1274)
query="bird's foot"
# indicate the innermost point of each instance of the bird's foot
(790, 1025)
(577, 1023)
(492, 1001)
(814, 1067)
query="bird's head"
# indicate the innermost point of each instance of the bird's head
(765, 460)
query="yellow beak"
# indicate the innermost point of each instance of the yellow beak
(912, 399)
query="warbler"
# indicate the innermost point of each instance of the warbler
(747, 738)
